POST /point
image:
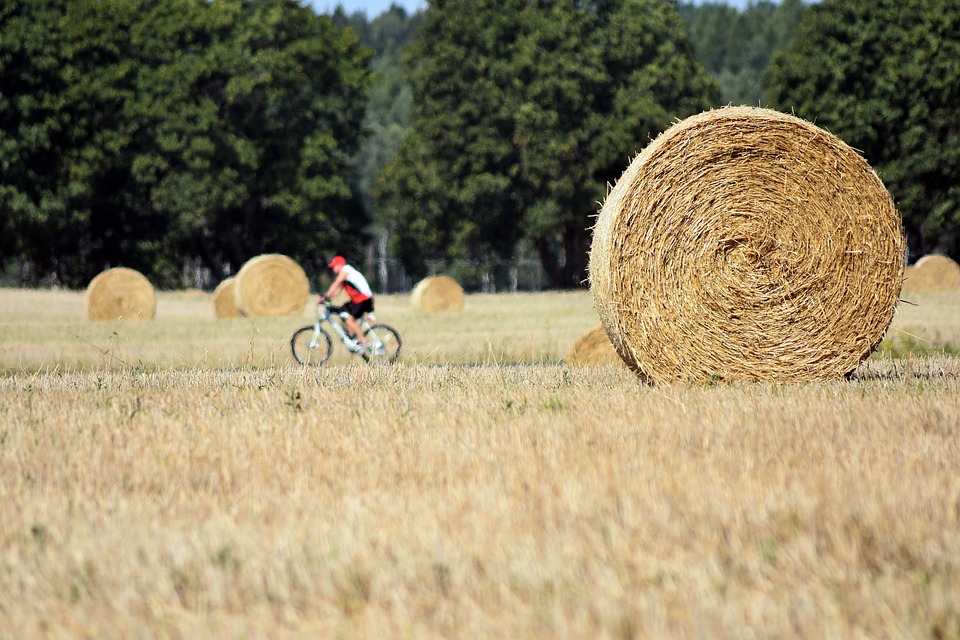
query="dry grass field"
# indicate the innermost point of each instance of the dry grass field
(181, 477)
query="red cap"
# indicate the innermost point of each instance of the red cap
(337, 261)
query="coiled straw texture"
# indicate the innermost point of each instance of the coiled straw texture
(271, 285)
(746, 244)
(121, 294)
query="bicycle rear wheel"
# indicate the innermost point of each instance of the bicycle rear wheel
(311, 347)
(384, 344)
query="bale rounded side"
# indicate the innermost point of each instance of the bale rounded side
(438, 293)
(224, 300)
(932, 273)
(593, 348)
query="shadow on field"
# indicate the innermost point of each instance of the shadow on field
(933, 369)
(486, 365)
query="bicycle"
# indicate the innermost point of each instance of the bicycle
(312, 345)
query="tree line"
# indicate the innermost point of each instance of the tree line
(153, 132)
(146, 132)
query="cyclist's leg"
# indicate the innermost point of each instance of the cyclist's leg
(356, 313)
(354, 328)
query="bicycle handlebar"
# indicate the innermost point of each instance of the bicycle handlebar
(328, 308)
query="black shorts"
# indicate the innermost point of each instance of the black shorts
(357, 309)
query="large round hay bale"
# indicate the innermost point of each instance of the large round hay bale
(121, 294)
(746, 244)
(271, 285)
(593, 348)
(224, 300)
(437, 293)
(932, 273)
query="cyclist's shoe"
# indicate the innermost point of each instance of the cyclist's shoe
(373, 349)
(354, 347)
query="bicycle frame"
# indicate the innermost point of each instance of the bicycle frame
(313, 344)
(326, 314)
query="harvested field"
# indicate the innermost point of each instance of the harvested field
(183, 478)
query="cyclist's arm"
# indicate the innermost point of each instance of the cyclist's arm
(337, 285)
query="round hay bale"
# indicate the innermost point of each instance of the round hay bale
(438, 293)
(932, 273)
(224, 300)
(746, 244)
(121, 294)
(593, 348)
(271, 285)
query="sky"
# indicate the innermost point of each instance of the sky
(373, 8)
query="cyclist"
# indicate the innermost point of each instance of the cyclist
(350, 280)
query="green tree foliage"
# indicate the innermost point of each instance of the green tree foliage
(141, 132)
(736, 45)
(523, 113)
(884, 75)
(47, 149)
(387, 118)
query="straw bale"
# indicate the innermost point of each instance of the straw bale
(121, 294)
(932, 273)
(593, 348)
(437, 293)
(271, 285)
(224, 300)
(746, 244)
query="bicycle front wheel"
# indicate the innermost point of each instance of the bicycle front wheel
(311, 346)
(384, 344)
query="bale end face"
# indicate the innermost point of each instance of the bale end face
(271, 285)
(746, 244)
(121, 294)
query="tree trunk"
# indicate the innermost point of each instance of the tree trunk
(571, 272)
(209, 257)
(576, 246)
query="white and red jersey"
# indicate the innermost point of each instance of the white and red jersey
(356, 285)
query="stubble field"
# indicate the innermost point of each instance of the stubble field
(183, 478)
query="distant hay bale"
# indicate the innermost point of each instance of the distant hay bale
(437, 293)
(932, 273)
(593, 348)
(224, 301)
(746, 244)
(271, 285)
(121, 294)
